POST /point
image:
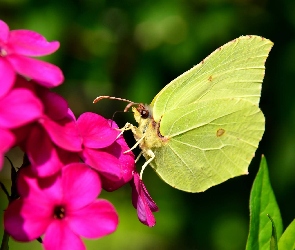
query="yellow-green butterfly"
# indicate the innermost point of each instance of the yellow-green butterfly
(204, 127)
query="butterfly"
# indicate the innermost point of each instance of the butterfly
(204, 127)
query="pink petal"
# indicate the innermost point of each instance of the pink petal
(59, 236)
(30, 43)
(7, 75)
(144, 213)
(4, 32)
(9, 139)
(56, 107)
(44, 160)
(64, 133)
(81, 185)
(71, 114)
(22, 82)
(67, 157)
(149, 201)
(142, 191)
(126, 159)
(96, 131)
(19, 107)
(26, 220)
(136, 189)
(46, 190)
(105, 163)
(143, 202)
(46, 74)
(21, 133)
(95, 220)
(126, 162)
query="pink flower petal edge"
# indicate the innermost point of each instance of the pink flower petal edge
(30, 43)
(95, 220)
(4, 31)
(46, 74)
(96, 131)
(59, 236)
(7, 76)
(26, 220)
(72, 176)
(19, 99)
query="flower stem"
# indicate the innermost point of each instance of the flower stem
(5, 240)
(5, 190)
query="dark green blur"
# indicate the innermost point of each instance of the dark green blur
(132, 49)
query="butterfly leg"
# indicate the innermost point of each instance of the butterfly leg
(137, 158)
(151, 154)
(135, 145)
(126, 127)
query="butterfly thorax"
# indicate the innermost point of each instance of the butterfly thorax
(148, 129)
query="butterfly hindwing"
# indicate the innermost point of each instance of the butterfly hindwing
(208, 143)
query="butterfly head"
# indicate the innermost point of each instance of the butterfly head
(142, 112)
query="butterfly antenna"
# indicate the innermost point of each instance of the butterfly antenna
(97, 99)
(113, 117)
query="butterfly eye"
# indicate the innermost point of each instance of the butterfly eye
(143, 111)
(144, 114)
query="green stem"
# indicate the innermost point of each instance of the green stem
(4, 190)
(5, 240)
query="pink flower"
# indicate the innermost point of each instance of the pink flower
(143, 202)
(16, 47)
(104, 152)
(62, 207)
(55, 130)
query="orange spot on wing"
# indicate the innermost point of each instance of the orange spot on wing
(220, 132)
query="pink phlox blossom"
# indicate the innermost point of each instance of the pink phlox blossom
(143, 202)
(16, 49)
(104, 151)
(62, 208)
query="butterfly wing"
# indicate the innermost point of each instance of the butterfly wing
(209, 142)
(235, 70)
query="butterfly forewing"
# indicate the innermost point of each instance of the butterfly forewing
(235, 70)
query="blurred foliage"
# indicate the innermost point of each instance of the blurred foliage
(131, 49)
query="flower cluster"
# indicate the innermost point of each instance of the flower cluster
(69, 160)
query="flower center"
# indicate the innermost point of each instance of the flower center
(59, 212)
(3, 52)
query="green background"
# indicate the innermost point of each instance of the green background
(131, 49)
